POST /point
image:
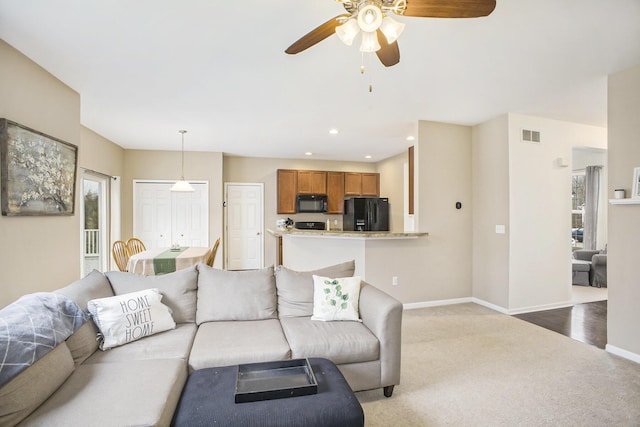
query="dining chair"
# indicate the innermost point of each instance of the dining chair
(120, 254)
(135, 246)
(212, 255)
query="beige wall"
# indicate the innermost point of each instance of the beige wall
(442, 268)
(165, 165)
(490, 176)
(263, 170)
(392, 185)
(624, 221)
(43, 253)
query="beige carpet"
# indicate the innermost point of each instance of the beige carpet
(466, 365)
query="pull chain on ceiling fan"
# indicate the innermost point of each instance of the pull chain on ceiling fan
(379, 31)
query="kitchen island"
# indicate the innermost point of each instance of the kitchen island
(373, 251)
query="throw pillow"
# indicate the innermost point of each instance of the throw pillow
(179, 289)
(295, 288)
(235, 295)
(336, 299)
(129, 317)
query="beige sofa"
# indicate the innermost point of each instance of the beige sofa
(222, 318)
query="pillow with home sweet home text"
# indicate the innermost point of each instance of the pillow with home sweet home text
(129, 317)
(336, 298)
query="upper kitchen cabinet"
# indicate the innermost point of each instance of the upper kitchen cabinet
(335, 192)
(361, 184)
(312, 182)
(287, 187)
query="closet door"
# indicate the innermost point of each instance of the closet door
(162, 217)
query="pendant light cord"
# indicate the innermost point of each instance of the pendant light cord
(182, 170)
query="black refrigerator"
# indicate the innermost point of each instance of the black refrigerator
(366, 214)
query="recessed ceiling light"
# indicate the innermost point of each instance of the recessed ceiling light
(308, 153)
(368, 156)
(410, 138)
(333, 131)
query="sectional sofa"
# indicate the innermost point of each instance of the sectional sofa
(216, 318)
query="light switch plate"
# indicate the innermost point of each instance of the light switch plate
(500, 229)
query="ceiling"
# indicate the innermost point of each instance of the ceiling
(148, 68)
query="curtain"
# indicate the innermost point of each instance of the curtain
(592, 192)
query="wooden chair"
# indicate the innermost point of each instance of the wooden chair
(120, 254)
(135, 246)
(212, 255)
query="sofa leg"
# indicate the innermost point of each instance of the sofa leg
(388, 391)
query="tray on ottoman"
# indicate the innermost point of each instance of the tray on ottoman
(274, 380)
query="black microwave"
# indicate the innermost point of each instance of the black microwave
(311, 203)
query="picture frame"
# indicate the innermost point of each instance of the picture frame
(38, 172)
(636, 184)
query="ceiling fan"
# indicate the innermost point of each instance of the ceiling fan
(379, 30)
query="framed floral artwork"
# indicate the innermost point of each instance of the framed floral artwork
(38, 172)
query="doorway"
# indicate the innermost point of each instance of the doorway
(94, 222)
(244, 214)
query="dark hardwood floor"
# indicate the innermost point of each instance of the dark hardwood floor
(585, 322)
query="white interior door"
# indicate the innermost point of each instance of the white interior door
(162, 217)
(244, 219)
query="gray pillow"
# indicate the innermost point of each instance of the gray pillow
(295, 288)
(93, 285)
(179, 289)
(235, 295)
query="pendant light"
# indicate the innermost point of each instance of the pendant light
(182, 185)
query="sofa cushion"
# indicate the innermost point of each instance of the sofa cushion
(172, 344)
(129, 317)
(27, 391)
(84, 342)
(336, 299)
(235, 295)
(135, 393)
(178, 289)
(295, 288)
(234, 342)
(341, 342)
(93, 285)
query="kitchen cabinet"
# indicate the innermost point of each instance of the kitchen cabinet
(287, 188)
(361, 184)
(312, 182)
(335, 192)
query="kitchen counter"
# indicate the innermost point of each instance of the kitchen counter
(346, 234)
(305, 250)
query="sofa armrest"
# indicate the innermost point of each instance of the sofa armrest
(382, 314)
(599, 259)
(584, 255)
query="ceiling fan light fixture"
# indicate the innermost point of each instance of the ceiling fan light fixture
(391, 29)
(369, 18)
(348, 31)
(369, 42)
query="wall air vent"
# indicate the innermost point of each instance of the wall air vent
(532, 136)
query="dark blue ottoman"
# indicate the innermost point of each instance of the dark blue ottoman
(208, 400)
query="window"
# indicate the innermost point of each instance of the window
(577, 208)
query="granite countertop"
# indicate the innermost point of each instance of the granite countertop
(346, 234)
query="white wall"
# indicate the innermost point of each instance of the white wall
(624, 221)
(490, 177)
(540, 209)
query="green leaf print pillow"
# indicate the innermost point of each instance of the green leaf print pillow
(336, 299)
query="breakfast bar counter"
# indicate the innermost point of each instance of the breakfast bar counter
(373, 251)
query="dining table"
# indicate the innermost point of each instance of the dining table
(164, 260)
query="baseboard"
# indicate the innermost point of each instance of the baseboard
(541, 307)
(425, 304)
(499, 309)
(623, 353)
(487, 304)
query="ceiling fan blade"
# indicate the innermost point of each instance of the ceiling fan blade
(316, 35)
(388, 54)
(449, 8)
